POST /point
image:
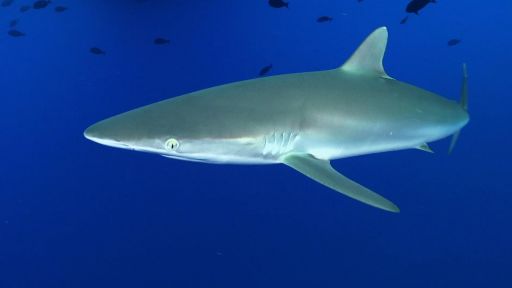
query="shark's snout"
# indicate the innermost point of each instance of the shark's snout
(91, 133)
(98, 132)
(101, 133)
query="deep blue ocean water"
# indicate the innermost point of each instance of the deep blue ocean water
(77, 214)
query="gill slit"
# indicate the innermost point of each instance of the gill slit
(278, 143)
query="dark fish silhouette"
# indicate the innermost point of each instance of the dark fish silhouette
(453, 42)
(13, 23)
(416, 5)
(161, 41)
(277, 3)
(97, 51)
(61, 9)
(15, 33)
(404, 20)
(265, 70)
(323, 19)
(24, 8)
(40, 4)
(6, 3)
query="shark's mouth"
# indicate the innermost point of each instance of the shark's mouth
(189, 159)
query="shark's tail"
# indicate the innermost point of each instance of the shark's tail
(463, 103)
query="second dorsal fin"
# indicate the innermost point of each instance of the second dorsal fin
(367, 59)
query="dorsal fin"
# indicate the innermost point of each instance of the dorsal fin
(367, 59)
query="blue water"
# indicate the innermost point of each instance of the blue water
(77, 214)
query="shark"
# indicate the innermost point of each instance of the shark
(302, 120)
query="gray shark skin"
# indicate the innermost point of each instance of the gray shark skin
(303, 120)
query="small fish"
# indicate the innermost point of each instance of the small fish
(15, 33)
(161, 41)
(59, 9)
(7, 3)
(404, 20)
(40, 4)
(416, 5)
(265, 70)
(13, 23)
(97, 51)
(323, 19)
(24, 8)
(277, 3)
(453, 42)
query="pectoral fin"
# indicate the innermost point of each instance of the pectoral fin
(322, 171)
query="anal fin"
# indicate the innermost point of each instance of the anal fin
(322, 172)
(425, 147)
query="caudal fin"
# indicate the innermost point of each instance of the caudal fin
(463, 103)
(464, 88)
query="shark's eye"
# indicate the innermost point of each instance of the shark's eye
(171, 144)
